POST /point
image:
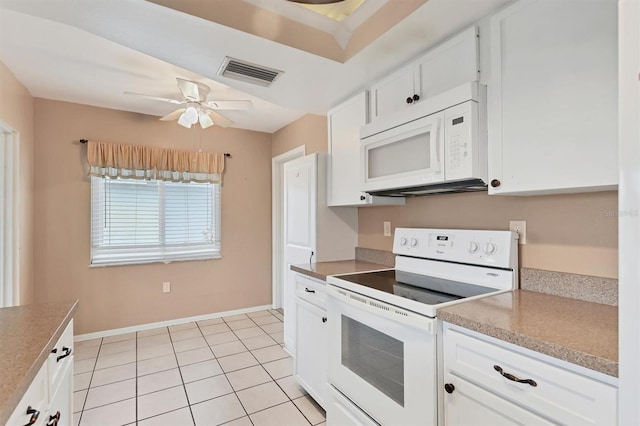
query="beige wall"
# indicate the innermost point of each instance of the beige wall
(16, 111)
(309, 130)
(575, 233)
(119, 296)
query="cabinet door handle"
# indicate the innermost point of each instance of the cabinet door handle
(67, 352)
(309, 291)
(409, 100)
(416, 98)
(324, 319)
(514, 378)
(449, 387)
(53, 420)
(495, 183)
(363, 197)
(34, 415)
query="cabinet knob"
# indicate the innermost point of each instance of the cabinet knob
(416, 98)
(449, 387)
(324, 319)
(495, 183)
(67, 352)
(363, 197)
(409, 100)
(54, 420)
(34, 415)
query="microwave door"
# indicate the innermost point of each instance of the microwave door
(404, 156)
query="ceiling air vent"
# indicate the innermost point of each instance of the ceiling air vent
(248, 72)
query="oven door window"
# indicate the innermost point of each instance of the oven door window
(375, 357)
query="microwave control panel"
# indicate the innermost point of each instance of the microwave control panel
(459, 133)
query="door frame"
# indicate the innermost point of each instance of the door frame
(629, 211)
(277, 224)
(9, 216)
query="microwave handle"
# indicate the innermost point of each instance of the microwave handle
(437, 167)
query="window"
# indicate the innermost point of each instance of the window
(142, 221)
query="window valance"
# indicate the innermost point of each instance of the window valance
(145, 162)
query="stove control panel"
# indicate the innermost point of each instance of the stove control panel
(475, 247)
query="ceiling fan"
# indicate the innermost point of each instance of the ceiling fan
(196, 108)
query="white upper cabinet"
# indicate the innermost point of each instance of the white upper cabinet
(344, 123)
(553, 113)
(450, 64)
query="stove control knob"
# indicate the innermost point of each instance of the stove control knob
(490, 248)
(403, 241)
(414, 242)
(473, 247)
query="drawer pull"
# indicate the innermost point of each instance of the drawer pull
(54, 420)
(309, 291)
(34, 415)
(514, 378)
(67, 352)
(324, 319)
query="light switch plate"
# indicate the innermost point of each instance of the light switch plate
(387, 229)
(166, 287)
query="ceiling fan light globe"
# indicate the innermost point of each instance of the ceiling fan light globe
(191, 115)
(205, 120)
(184, 121)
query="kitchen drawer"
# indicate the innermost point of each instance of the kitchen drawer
(36, 397)
(561, 395)
(312, 290)
(61, 355)
(61, 400)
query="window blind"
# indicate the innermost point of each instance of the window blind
(141, 221)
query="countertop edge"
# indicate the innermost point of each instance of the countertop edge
(12, 402)
(553, 350)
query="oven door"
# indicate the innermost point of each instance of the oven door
(382, 358)
(404, 156)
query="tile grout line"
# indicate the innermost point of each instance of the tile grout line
(90, 380)
(184, 386)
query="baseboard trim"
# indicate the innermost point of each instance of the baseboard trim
(148, 326)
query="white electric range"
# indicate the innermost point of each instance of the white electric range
(383, 324)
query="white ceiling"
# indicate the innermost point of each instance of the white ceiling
(92, 51)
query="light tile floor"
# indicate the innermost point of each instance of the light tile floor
(229, 370)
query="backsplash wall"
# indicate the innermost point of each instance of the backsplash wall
(576, 233)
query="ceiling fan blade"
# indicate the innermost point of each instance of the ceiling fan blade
(237, 105)
(174, 115)
(155, 98)
(219, 119)
(193, 90)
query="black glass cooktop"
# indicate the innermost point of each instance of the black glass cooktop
(421, 288)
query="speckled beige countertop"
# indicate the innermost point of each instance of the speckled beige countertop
(583, 333)
(321, 270)
(27, 335)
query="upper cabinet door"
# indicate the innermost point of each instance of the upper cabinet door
(448, 65)
(553, 113)
(344, 186)
(393, 94)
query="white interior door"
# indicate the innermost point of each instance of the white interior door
(300, 202)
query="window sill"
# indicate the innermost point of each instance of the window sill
(106, 264)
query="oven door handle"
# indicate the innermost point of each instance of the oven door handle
(381, 309)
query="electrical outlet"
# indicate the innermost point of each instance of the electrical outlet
(166, 287)
(387, 229)
(519, 226)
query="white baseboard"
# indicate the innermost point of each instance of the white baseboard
(142, 327)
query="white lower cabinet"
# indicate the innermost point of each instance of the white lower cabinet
(48, 400)
(311, 358)
(488, 381)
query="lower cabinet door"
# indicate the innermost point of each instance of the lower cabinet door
(311, 350)
(468, 404)
(61, 406)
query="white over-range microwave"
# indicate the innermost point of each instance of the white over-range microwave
(437, 145)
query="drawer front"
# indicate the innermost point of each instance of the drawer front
(61, 356)
(36, 397)
(562, 396)
(313, 291)
(61, 401)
